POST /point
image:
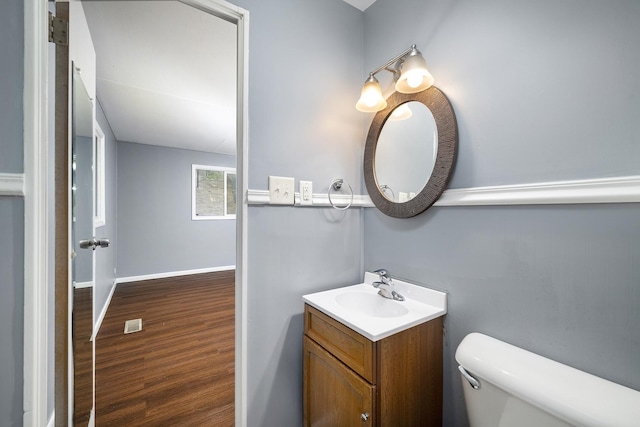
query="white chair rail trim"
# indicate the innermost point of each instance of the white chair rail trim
(603, 190)
(587, 191)
(261, 197)
(11, 184)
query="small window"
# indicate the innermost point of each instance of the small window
(213, 194)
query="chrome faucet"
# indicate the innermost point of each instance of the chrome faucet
(386, 286)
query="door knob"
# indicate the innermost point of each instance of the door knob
(93, 243)
(103, 243)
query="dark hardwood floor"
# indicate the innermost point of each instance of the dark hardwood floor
(179, 370)
(83, 355)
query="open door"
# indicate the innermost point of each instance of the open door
(83, 249)
(62, 185)
(75, 192)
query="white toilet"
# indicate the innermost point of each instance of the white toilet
(507, 386)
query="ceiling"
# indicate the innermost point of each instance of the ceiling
(166, 73)
(360, 4)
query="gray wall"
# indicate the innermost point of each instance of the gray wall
(305, 72)
(155, 232)
(11, 70)
(11, 215)
(542, 91)
(11, 309)
(106, 257)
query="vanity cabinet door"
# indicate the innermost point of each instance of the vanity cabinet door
(334, 396)
(351, 348)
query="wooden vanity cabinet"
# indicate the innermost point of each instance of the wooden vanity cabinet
(350, 380)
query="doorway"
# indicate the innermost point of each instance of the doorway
(239, 18)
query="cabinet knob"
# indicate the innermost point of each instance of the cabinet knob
(364, 416)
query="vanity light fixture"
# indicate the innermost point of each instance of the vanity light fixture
(371, 99)
(410, 73)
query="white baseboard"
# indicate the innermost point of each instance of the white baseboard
(173, 274)
(103, 312)
(80, 285)
(52, 419)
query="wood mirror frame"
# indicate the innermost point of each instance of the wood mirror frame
(447, 128)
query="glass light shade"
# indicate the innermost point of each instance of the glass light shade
(414, 75)
(371, 99)
(403, 112)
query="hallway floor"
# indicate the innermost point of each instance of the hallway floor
(179, 370)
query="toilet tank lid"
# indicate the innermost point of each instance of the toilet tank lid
(568, 393)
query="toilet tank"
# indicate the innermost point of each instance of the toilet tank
(523, 389)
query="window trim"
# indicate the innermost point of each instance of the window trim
(194, 180)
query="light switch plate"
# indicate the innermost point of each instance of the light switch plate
(306, 193)
(281, 191)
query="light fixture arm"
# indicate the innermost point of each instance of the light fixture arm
(387, 67)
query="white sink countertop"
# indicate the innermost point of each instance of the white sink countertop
(379, 317)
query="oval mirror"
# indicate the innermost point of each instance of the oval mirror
(408, 163)
(406, 152)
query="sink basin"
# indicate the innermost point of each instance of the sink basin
(361, 308)
(372, 305)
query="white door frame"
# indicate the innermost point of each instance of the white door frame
(36, 257)
(36, 209)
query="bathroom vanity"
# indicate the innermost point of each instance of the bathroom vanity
(377, 363)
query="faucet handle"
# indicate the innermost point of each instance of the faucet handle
(382, 272)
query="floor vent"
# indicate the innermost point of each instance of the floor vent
(131, 326)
